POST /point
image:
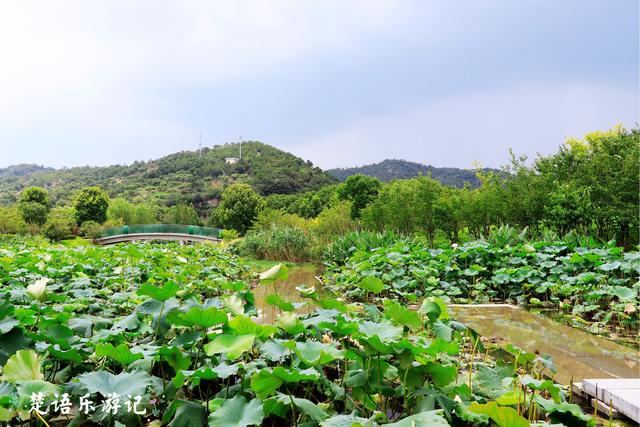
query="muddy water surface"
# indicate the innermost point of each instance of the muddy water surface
(575, 353)
(287, 290)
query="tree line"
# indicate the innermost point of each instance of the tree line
(590, 187)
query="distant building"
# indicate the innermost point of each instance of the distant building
(231, 160)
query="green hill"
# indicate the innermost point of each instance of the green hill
(391, 169)
(185, 177)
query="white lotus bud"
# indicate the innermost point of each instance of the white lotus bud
(37, 289)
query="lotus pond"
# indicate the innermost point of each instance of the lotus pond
(163, 334)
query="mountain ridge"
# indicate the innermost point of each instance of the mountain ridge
(390, 169)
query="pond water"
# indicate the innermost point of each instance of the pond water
(576, 354)
(287, 290)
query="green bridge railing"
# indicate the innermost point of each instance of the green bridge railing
(162, 228)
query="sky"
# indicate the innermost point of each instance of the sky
(341, 83)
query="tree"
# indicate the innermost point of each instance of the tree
(181, 214)
(360, 190)
(34, 205)
(239, 206)
(405, 206)
(91, 204)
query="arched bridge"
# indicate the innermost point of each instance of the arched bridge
(166, 232)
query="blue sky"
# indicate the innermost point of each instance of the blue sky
(340, 83)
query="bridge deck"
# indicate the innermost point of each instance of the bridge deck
(133, 237)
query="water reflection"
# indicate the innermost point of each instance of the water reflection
(287, 290)
(576, 354)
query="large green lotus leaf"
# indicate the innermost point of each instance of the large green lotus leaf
(434, 308)
(503, 416)
(265, 384)
(159, 293)
(441, 375)
(266, 381)
(224, 371)
(7, 393)
(441, 346)
(237, 412)
(423, 419)
(290, 323)
(372, 284)
(27, 388)
(234, 304)
(347, 421)
(440, 330)
(403, 316)
(198, 316)
(463, 412)
(24, 365)
(511, 398)
(625, 294)
(277, 301)
(175, 357)
(12, 341)
(555, 390)
(188, 414)
(242, 325)
(566, 413)
(231, 346)
(120, 354)
(306, 406)
(125, 383)
(488, 381)
(316, 353)
(8, 324)
(277, 272)
(274, 350)
(72, 354)
(382, 329)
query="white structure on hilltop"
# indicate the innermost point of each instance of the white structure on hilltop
(232, 160)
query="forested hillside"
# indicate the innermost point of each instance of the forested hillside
(186, 177)
(391, 169)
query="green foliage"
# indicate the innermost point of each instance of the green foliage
(333, 222)
(11, 221)
(239, 207)
(180, 214)
(360, 190)
(189, 177)
(174, 325)
(279, 242)
(405, 206)
(60, 225)
(34, 205)
(596, 284)
(35, 195)
(123, 212)
(390, 170)
(90, 230)
(91, 204)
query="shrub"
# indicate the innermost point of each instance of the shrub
(280, 243)
(90, 230)
(334, 221)
(60, 224)
(343, 247)
(229, 235)
(11, 221)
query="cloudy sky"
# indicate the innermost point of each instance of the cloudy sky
(448, 82)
